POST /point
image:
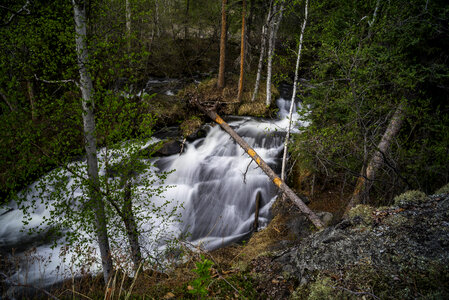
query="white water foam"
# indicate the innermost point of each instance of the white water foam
(214, 180)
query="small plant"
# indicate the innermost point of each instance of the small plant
(201, 283)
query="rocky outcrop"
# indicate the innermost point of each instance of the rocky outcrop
(411, 237)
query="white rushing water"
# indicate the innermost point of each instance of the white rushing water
(213, 188)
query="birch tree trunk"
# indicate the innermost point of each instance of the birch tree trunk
(131, 227)
(295, 84)
(364, 183)
(90, 140)
(221, 70)
(263, 44)
(274, 26)
(242, 54)
(128, 25)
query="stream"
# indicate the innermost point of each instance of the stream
(212, 187)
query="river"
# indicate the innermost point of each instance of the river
(211, 187)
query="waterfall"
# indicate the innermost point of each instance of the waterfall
(212, 187)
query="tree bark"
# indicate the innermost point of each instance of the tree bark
(31, 98)
(221, 70)
(263, 43)
(131, 227)
(186, 28)
(242, 54)
(295, 83)
(90, 140)
(274, 26)
(263, 165)
(364, 183)
(128, 25)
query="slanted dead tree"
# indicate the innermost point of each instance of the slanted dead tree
(263, 165)
(365, 181)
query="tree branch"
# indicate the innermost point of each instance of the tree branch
(16, 13)
(7, 102)
(57, 81)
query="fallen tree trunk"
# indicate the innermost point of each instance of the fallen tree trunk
(264, 166)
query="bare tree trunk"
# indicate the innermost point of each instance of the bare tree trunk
(274, 26)
(90, 140)
(263, 43)
(295, 83)
(31, 98)
(221, 70)
(186, 28)
(263, 165)
(242, 54)
(128, 25)
(131, 227)
(156, 19)
(364, 183)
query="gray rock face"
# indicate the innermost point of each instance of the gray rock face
(411, 236)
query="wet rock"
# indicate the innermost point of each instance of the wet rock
(169, 148)
(200, 133)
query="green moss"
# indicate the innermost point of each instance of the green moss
(395, 220)
(410, 197)
(191, 125)
(363, 211)
(252, 109)
(321, 289)
(443, 190)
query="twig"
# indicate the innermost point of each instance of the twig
(16, 13)
(57, 81)
(182, 146)
(7, 102)
(28, 286)
(355, 293)
(244, 174)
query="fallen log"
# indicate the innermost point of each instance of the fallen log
(264, 166)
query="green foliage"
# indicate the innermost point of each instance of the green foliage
(362, 66)
(200, 284)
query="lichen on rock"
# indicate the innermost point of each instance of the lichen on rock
(363, 211)
(403, 252)
(410, 197)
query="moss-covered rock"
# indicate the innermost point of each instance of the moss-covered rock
(404, 253)
(206, 92)
(365, 212)
(443, 190)
(410, 197)
(190, 126)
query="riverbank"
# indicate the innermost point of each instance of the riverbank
(395, 252)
